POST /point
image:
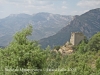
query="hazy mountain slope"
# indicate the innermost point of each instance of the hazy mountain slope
(88, 23)
(44, 25)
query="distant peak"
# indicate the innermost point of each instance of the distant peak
(42, 13)
(97, 9)
(19, 15)
(12, 15)
(93, 11)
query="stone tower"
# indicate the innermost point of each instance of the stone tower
(76, 37)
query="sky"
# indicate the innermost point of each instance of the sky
(63, 7)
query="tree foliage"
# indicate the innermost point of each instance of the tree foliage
(94, 43)
(23, 53)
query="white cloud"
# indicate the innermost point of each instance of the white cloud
(1, 11)
(2, 2)
(25, 5)
(89, 3)
(31, 2)
(64, 2)
(64, 7)
(52, 6)
(13, 0)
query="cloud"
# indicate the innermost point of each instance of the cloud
(27, 4)
(64, 2)
(31, 2)
(2, 2)
(52, 6)
(16, 1)
(1, 11)
(39, 6)
(64, 7)
(89, 3)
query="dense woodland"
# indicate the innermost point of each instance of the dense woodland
(26, 57)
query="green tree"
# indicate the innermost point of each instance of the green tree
(23, 53)
(57, 47)
(81, 48)
(94, 43)
(98, 64)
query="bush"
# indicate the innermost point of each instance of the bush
(57, 47)
(94, 43)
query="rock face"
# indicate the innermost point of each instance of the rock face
(87, 23)
(66, 49)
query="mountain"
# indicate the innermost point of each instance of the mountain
(88, 23)
(44, 25)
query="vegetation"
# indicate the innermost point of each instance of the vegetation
(94, 43)
(25, 57)
(57, 47)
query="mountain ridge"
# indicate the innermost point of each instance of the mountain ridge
(88, 23)
(44, 25)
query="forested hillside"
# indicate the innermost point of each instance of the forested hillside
(25, 57)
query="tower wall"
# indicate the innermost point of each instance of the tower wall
(72, 41)
(76, 37)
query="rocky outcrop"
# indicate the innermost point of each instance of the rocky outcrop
(66, 49)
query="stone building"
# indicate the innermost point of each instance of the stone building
(76, 37)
